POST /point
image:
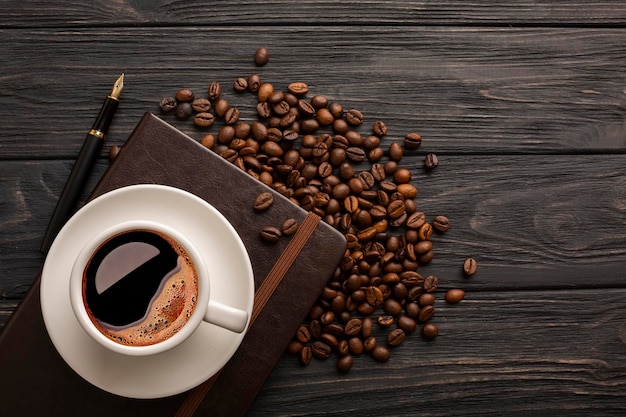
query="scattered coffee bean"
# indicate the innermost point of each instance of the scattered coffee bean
(310, 151)
(270, 234)
(261, 57)
(263, 201)
(203, 119)
(184, 95)
(214, 91)
(470, 266)
(431, 161)
(114, 151)
(381, 354)
(454, 296)
(395, 337)
(344, 364)
(412, 141)
(306, 355)
(320, 349)
(289, 227)
(167, 104)
(201, 105)
(240, 84)
(298, 88)
(441, 223)
(430, 331)
(183, 111)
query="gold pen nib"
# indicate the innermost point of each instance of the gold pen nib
(118, 87)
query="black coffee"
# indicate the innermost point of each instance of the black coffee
(140, 287)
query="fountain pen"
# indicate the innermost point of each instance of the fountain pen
(83, 166)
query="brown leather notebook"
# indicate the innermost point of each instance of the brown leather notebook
(289, 276)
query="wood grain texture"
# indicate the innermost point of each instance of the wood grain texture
(505, 353)
(533, 222)
(172, 12)
(469, 90)
(524, 103)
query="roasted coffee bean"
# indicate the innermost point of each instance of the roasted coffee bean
(385, 320)
(392, 307)
(201, 105)
(454, 296)
(204, 119)
(289, 227)
(381, 354)
(221, 107)
(294, 347)
(355, 345)
(407, 324)
(183, 111)
(321, 350)
(375, 155)
(214, 91)
(231, 116)
(412, 141)
(395, 337)
(270, 234)
(431, 283)
(380, 128)
(353, 327)
(425, 232)
(303, 334)
(114, 151)
(264, 109)
(315, 329)
(306, 355)
(298, 88)
(263, 201)
(330, 339)
(431, 161)
(167, 104)
(354, 117)
(240, 84)
(426, 299)
(395, 152)
(261, 57)
(344, 364)
(319, 101)
(429, 331)
(343, 348)
(324, 117)
(441, 223)
(426, 313)
(254, 82)
(306, 108)
(184, 95)
(225, 134)
(416, 220)
(470, 266)
(355, 154)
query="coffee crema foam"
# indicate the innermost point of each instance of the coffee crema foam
(169, 310)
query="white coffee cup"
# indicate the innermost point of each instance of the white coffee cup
(206, 309)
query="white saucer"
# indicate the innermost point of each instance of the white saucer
(201, 355)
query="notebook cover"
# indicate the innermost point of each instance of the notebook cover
(36, 380)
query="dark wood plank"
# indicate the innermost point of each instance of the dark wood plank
(168, 12)
(470, 90)
(531, 221)
(505, 353)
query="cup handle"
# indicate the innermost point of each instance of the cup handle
(225, 316)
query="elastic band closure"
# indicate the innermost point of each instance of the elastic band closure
(261, 297)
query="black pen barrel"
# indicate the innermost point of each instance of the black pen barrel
(73, 188)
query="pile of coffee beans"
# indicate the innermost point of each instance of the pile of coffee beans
(328, 160)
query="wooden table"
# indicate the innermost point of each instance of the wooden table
(523, 102)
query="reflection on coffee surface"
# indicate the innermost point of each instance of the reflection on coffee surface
(140, 287)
